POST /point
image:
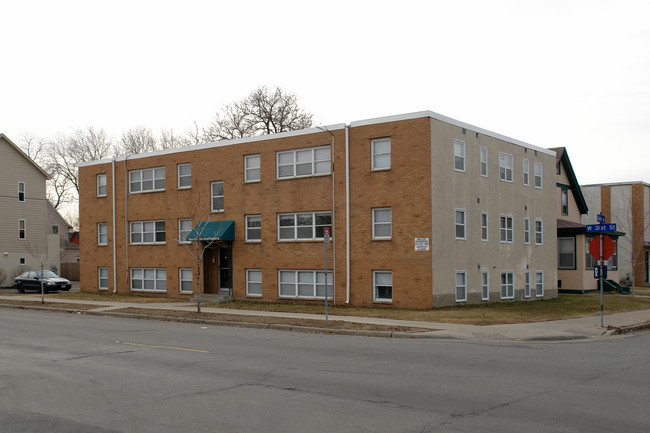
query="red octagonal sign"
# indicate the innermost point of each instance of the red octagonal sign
(608, 247)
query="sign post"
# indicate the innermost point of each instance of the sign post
(601, 249)
(326, 240)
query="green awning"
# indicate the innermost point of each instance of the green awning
(213, 231)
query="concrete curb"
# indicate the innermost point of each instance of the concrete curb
(628, 329)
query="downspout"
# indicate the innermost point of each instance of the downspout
(347, 213)
(114, 237)
(333, 231)
(126, 221)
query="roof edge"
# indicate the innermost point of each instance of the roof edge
(47, 175)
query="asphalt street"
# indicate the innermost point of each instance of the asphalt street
(75, 373)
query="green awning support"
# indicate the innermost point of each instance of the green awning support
(213, 231)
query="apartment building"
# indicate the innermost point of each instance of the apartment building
(424, 211)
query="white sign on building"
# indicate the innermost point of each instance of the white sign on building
(421, 244)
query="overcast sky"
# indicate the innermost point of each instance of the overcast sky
(551, 73)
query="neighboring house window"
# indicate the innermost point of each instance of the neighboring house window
(526, 230)
(253, 282)
(305, 284)
(380, 149)
(55, 229)
(506, 229)
(147, 179)
(102, 234)
(460, 224)
(566, 257)
(252, 170)
(382, 227)
(539, 283)
(539, 232)
(461, 286)
(217, 196)
(253, 228)
(484, 161)
(185, 280)
(538, 175)
(526, 172)
(184, 176)
(148, 232)
(184, 230)
(505, 167)
(21, 191)
(485, 285)
(103, 278)
(459, 155)
(558, 168)
(382, 283)
(303, 162)
(507, 285)
(101, 185)
(22, 261)
(484, 226)
(303, 226)
(565, 201)
(149, 279)
(526, 284)
(22, 229)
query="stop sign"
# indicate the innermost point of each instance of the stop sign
(608, 247)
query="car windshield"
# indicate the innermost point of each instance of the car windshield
(47, 274)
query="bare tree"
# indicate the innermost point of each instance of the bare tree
(135, 141)
(169, 140)
(34, 147)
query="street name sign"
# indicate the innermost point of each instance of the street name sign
(598, 228)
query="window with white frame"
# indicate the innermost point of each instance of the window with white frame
(148, 232)
(565, 201)
(253, 228)
(461, 286)
(22, 261)
(380, 150)
(303, 162)
(526, 284)
(485, 285)
(484, 161)
(460, 223)
(21, 191)
(566, 253)
(538, 174)
(184, 176)
(185, 284)
(216, 191)
(526, 230)
(382, 286)
(539, 232)
(459, 155)
(149, 279)
(101, 185)
(184, 230)
(507, 285)
(102, 234)
(539, 283)
(22, 229)
(506, 229)
(303, 226)
(305, 284)
(55, 229)
(253, 282)
(147, 180)
(252, 168)
(505, 167)
(484, 226)
(526, 171)
(382, 225)
(103, 278)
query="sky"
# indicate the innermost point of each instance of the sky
(551, 73)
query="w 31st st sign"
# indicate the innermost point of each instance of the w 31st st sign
(600, 228)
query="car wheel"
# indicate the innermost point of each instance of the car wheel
(20, 288)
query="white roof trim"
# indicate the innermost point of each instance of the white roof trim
(632, 182)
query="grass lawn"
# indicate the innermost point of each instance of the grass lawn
(110, 297)
(645, 291)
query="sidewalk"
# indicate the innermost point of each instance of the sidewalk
(557, 330)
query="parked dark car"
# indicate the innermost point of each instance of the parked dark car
(31, 280)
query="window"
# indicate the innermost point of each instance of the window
(146, 180)
(484, 164)
(21, 191)
(185, 280)
(149, 279)
(303, 226)
(252, 171)
(566, 253)
(565, 201)
(539, 232)
(484, 226)
(507, 285)
(526, 172)
(103, 278)
(459, 155)
(460, 224)
(505, 167)
(22, 261)
(22, 229)
(148, 232)
(217, 196)
(184, 230)
(253, 228)
(253, 282)
(538, 175)
(539, 283)
(101, 185)
(506, 229)
(305, 284)
(303, 162)
(102, 234)
(55, 229)
(461, 286)
(558, 168)
(380, 149)
(184, 176)
(382, 283)
(485, 285)
(382, 227)
(526, 230)
(526, 284)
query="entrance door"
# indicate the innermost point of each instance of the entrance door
(225, 269)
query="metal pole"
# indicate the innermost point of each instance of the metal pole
(602, 325)
(325, 243)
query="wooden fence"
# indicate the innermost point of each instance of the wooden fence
(70, 271)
